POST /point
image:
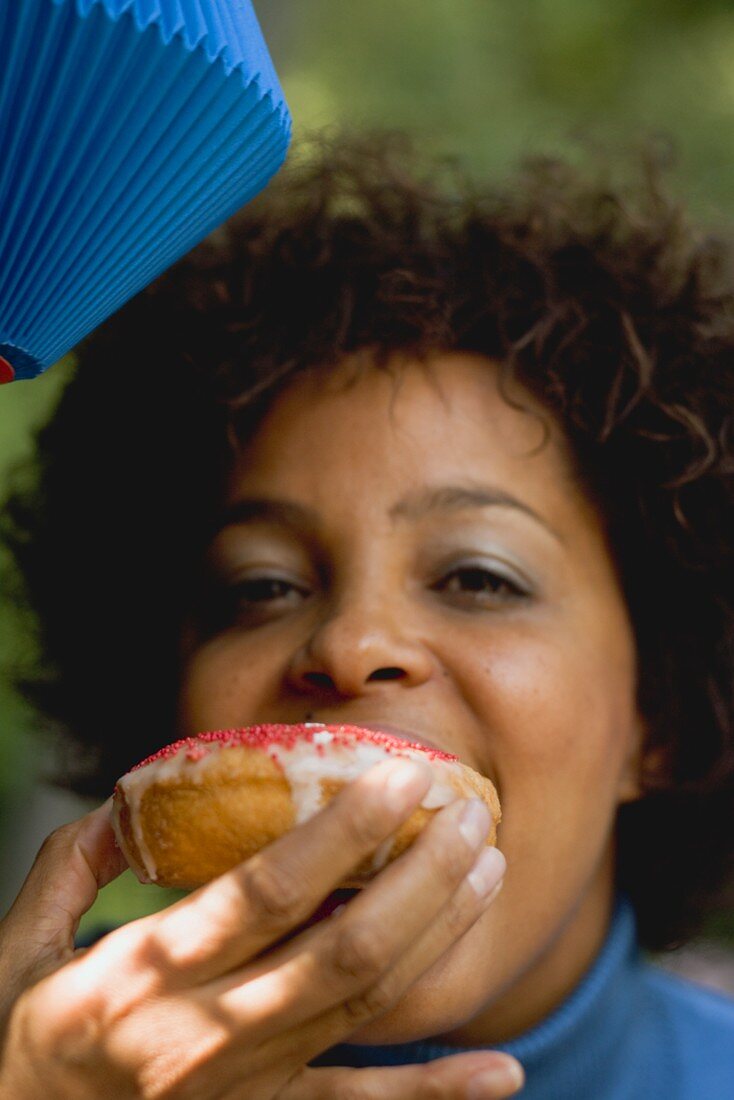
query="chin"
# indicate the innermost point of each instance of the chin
(426, 1010)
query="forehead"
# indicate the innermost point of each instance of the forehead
(386, 430)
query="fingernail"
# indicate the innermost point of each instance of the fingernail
(406, 779)
(506, 1075)
(474, 822)
(487, 872)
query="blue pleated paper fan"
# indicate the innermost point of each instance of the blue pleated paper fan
(129, 130)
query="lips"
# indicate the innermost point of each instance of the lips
(403, 734)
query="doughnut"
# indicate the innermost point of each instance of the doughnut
(201, 805)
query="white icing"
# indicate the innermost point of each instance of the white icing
(166, 770)
(122, 843)
(304, 766)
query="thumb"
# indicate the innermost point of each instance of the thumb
(73, 865)
(488, 1074)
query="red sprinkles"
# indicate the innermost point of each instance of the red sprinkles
(286, 736)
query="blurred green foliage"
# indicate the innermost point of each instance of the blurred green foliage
(23, 407)
(492, 81)
(124, 900)
(489, 82)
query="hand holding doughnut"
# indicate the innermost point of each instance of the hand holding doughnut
(220, 997)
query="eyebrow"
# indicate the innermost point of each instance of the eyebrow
(458, 497)
(283, 512)
(414, 506)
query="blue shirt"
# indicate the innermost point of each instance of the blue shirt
(629, 1031)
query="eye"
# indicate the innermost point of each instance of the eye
(473, 584)
(252, 600)
(260, 590)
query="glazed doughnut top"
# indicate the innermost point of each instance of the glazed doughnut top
(288, 737)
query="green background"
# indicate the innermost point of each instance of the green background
(487, 80)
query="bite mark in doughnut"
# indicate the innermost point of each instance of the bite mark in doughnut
(201, 805)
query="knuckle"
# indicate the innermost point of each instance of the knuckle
(353, 1086)
(432, 1088)
(359, 952)
(365, 819)
(461, 914)
(274, 891)
(371, 1002)
(57, 841)
(174, 941)
(363, 830)
(146, 963)
(445, 864)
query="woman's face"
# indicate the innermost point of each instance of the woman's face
(403, 551)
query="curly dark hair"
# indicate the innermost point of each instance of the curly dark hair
(601, 302)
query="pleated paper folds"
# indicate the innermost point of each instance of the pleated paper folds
(129, 129)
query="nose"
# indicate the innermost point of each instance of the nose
(355, 648)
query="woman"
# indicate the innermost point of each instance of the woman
(455, 464)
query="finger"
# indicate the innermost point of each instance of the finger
(456, 918)
(235, 917)
(352, 960)
(73, 864)
(379, 993)
(486, 1075)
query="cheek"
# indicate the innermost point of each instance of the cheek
(222, 685)
(558, 721)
